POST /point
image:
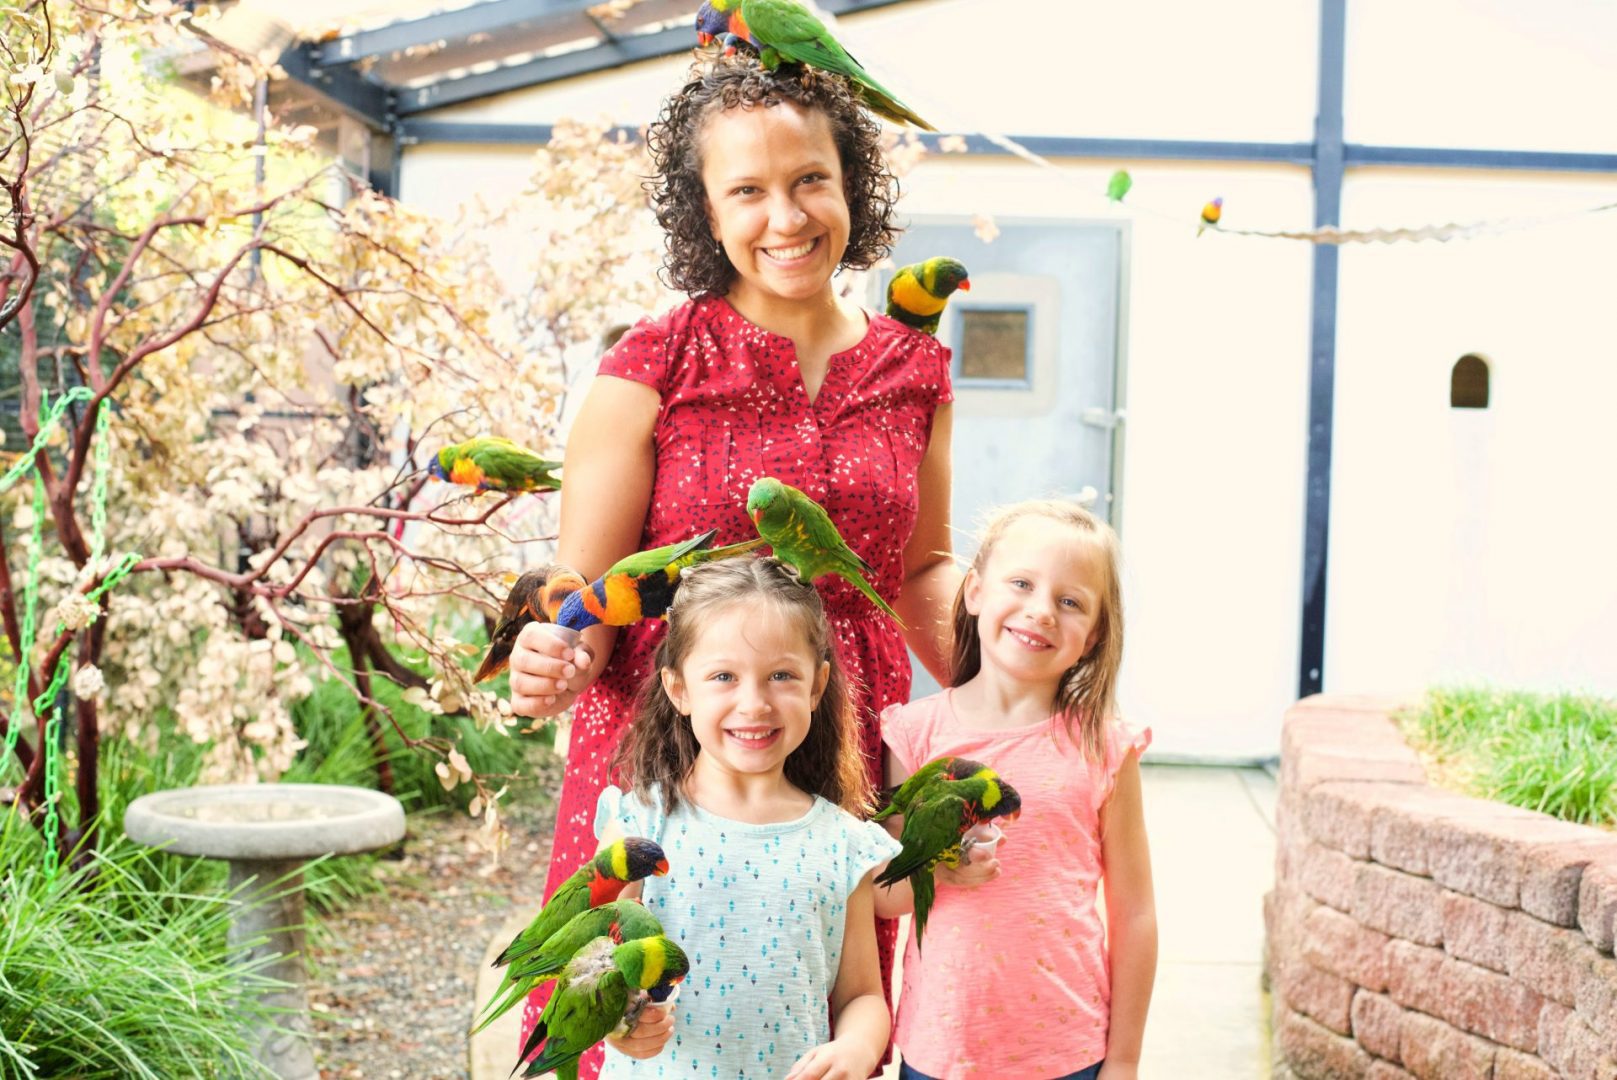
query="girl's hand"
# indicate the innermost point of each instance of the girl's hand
(546, 673)
(1119, 1070)
(650, 1034)
(969, 875)
(835, 1060)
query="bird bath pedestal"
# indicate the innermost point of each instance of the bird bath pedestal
(266, 832)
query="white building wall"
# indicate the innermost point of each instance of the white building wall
(1462, 544)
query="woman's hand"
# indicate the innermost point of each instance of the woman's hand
(838, 1059)
(546, 672)
(650, 1035)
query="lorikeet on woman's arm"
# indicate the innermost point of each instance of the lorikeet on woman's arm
(642, 585)
(537, 596)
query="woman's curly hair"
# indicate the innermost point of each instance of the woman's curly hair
(695, 263)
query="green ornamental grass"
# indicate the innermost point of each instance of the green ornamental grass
(1555, 753)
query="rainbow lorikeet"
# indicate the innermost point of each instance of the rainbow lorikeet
(620, 920)
(602, 991)
(597, 882)
(800, 531)
(1211, 213)
(900, 799)
(934, 830)
(786, 30)
(917, 294)
(490, 463)
(642, 585)
(537, 596)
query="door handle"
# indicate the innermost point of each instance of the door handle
(1095, 416)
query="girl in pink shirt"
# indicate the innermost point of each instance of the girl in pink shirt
(1022, 975)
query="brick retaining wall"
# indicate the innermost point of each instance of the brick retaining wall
(1414, 932)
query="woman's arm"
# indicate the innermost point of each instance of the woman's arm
(1131, 920)
(931, 577)
(611, 461)
(860, 1022)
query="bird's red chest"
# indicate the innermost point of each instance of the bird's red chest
(738, 26)
(604, 890)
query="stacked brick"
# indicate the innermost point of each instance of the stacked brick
(1415, 932)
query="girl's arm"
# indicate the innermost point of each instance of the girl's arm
(1131, 920)
(860, 1022)
(611, 462)
(931, 577)
(898, 899)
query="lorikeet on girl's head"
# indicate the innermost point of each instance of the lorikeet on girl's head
(802, 535)
(643, 585)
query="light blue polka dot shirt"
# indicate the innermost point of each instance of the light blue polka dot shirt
(759, 910)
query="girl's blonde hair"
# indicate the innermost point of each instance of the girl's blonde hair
(1086, 694)
(659, 749)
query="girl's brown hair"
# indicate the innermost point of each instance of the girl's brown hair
(659, 749)
(1086, 694)
(695, 262)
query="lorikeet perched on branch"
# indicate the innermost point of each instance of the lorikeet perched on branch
(536, 597)
(490, 463)
(786, 30)
(597, 882)
(801, 533)
(917, 294)
(601, 992)
(939, 816)
(642, 585)
(620, 920)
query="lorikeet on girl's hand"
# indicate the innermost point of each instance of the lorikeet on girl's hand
(643, 585)
(918, 293)
(786, 30)
(934, 828)
(902, 797)
(620, 920)
(489, 463)
(537, 596)
(801, 533)
(597, 882)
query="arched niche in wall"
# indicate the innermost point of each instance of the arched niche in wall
(1468, 382)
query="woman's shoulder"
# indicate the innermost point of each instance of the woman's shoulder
(899, 336)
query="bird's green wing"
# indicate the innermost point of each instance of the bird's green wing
(707, 555)
(571, 897)
(642, 563)
(510, 463)
(580, 1017)
(904, 795)
(932, 826)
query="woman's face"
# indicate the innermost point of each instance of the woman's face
(775, 200)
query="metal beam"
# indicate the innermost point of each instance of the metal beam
(1439, 157)
(487, 17)
(412, 132)
(344, 88)
(1063, 146)
(1329, 159)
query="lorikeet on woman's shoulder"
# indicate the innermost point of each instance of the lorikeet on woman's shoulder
(919, 292)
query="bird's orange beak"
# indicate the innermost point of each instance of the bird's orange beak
(965, 286)
(757, 516)
(704, 38)
(662, 867)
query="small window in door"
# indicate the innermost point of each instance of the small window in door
(1468, 383)
(995, 346)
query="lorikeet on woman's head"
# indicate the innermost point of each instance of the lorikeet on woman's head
(918, 293)
(786, 30)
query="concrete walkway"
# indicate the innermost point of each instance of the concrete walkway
(1212, 850)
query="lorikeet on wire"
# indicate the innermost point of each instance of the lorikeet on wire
(935, 826)
(1118, 186)
(620, 920)
(801, 533)
(642, 585)
(597, 882)
(786, 30)
(902, 797)
(601, 992)
(917, 294)
(536, 597)
(490, 463)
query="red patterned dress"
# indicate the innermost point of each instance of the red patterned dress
(734, 408)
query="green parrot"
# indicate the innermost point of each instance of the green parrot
(934, 829)
(917, 294)
(800, 531)
(601, 992)
(900, 799)
(642, 585)
(620, 920)
(786, 30)
(597, 882)
(1118, 186)
(490, 463)
(536, 597)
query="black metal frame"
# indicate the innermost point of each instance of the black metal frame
(398, 111)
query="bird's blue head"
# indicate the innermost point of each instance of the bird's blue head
(436, 467)
(710, 23)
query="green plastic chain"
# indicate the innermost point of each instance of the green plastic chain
(45, 704)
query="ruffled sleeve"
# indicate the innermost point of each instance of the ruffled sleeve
(624, 815)
(899, 736)
(943, 357)
(868, 847)
(1121, 740)
(641, 355)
